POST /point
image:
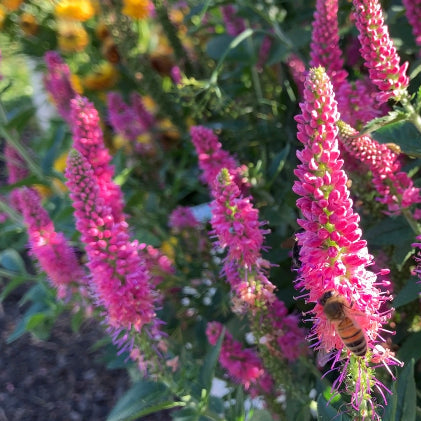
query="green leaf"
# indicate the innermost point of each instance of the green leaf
(403, 134)
(10, 259)
(326, 412)
(402, 404)
(139, 400)
(207, 372)
(377, 123)
(185, 414)
(261, 415)
(408, 293)
(11, 285)
(411, 349)
(34, 321)
(277, 164)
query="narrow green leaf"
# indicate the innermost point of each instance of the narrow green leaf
(277, 164)
(11, 260)
(207, 372)
(377, 123)
(326, 412)
(185, 414)
(33, 321)
(408, 293)
(402, 405)
(11, 285)
(140, 397)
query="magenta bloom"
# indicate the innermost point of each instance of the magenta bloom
(298, 72)
(88, 140)
(243, 365)
(233, 24)
(378, 51)
(212, 158)
(395, 188)
(131, 121)
(57, 83)
(16, 171)
(413, 14)
(357, 102)
(182, 217)
(324, 47)
(119, 278)
(54, 254)
(332, 254)
(235, 222)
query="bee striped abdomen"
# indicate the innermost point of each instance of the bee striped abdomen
(352, 336)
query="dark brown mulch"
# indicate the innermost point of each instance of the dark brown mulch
(61, 379)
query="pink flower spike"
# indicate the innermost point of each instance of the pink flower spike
(379, 53)
(324, 48)
(235, 222)
(395, 188)
(88, 140)
(54, 254)
(120, 280)
(233, 24)
(333, 256)
(243, 365)
(58, 84)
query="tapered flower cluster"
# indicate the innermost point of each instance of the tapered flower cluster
(131, 121)
(88, 140)
(243, 365)
(413, 14)
(395, 188)
(236, 222)
(182, 217)
(332, 254)
(324, 47)
(55, 255)
(357, 103)
(212, 158)
(16, 171)
(298, 72)
(119, 278)
(378, 51)
(233, 23)
(58, 83)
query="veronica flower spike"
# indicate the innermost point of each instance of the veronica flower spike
(333, 255)
(379, 53)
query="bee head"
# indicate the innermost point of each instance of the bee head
(325, 297)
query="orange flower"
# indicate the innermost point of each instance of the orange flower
(11, 5)
(137, 9)
(29, 23)
(72, 37)
(80, 10)
(103, 77)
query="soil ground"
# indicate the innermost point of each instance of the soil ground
(61, 379)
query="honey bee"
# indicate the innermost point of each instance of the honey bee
(336, 309)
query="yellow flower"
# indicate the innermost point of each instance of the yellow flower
(168, 247)
(72, 36)
(60, 162)
(29, 23)
(80, 10)
(2, 17)
(103, 77)
(137, 9)
(11, 5)
(149, 104)
(76, 83)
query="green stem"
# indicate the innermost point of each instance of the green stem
(411, 221)
(413, 116)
